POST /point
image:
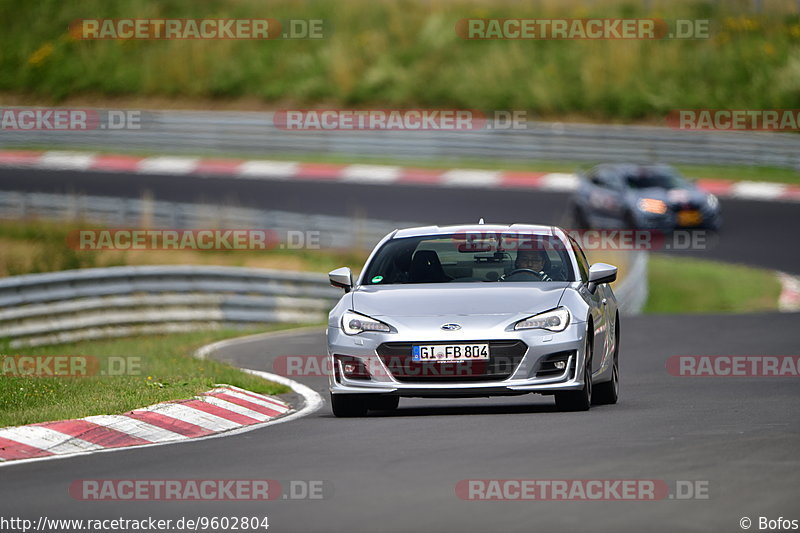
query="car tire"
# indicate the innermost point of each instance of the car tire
(579, 217)
(629, 221)
(348, 405)
(579, 400)
(384, 403)
(608, 393)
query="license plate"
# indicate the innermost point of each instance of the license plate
(449, 353)
(689, 218)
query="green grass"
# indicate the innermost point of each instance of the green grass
(688, 285)
(406, 54)
(35, 246)
(167, 371)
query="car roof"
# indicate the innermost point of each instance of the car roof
(474, 228)
(633, 167)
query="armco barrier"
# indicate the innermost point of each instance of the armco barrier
(225, 132)
(92, 303)
(335, 232)
(73, 305)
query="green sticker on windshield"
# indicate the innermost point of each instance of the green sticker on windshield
(377, 279)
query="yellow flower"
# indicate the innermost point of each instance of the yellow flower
(41, 54)
(769, 49)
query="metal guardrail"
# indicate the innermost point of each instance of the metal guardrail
(237, 132)
(633, 289)
(334, 232)
(74, 305)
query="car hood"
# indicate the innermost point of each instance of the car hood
(458, 299)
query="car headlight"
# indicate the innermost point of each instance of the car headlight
(712, 201)
(555, 320)
(651, 205)
(354, 323)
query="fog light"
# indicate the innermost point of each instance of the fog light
(561, 365)
(351, 367)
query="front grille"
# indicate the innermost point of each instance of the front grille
(504, 357)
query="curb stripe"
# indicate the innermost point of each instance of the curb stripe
(186, 413)
(527, 180)
(222, 409)
(47, 439)
(420, 175)
(235, 408)
(171, 424)
(10, 450)
(66, 160)
(218, 166)
(135, 428)
(356, 173)
(262, 409)
(210, 408)
(318, 171)
(19, 157)
(244, 395)
(267, 169)
(117, 163)
(94, 433)
(789, 299)
(167, 165)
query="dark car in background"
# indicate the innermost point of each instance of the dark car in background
(642, 197)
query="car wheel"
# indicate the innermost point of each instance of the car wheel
(348, 405)
(384, 403)
(579, 400)
(607, 393)
(630, 221)
(579, 217)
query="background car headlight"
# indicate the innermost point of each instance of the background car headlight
(712, 201)
(555, 320)
(355, 323)
(651, 205)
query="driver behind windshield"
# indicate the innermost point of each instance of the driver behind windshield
(536, 260)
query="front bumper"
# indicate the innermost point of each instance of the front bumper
(670, 221)
(531, 372)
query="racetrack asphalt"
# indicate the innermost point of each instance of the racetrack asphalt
(757, 233)
(398, 471)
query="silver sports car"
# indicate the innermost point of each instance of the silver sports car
(469, 311)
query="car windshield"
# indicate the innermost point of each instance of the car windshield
(479, 257)
(646, 179)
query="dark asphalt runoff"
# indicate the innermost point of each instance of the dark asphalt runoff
(737, 437)
(754, 232)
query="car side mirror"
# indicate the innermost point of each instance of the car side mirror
(601, 273)
(341, 278)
